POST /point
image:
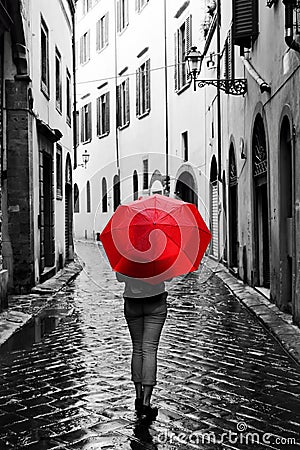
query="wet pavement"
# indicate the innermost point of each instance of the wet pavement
(224, 382)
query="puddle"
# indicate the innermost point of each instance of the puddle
(34, 330)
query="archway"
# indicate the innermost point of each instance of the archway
(186, 188)
(286, 187)
(233, 211)
(261, 203)
(213, 208)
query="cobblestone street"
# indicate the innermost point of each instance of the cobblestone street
(224, 382)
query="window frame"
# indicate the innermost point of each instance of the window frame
(58, 80)
(122, 15)
(68, 97)
(103, 115)
(123, 104)
(45, 81)
(102, 30)
(85, 53)
(86, 123)
(140, 5)
(143, 90)
(183, 42)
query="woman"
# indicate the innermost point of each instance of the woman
(145, 311)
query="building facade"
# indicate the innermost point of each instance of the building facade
(230, 146)
(37, 137)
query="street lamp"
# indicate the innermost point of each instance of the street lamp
(234, 86)
(85, 158)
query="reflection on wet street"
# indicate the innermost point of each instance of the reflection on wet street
(224, 382)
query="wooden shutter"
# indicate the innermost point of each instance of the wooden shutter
(118, 16)
(188, 34)
(88, 43)
(82, 124)
(176, 59)
(245, 22)
(89, 119)
(107, 113)
(118, 100)
(148, 86)
(98, 116)
(138, 92)
(127, 111)
(98, 28)
(106, 27)
(81, 50)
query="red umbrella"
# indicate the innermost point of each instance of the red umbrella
(155, 238)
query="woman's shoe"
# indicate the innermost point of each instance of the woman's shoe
(138, 405)
(149, 412)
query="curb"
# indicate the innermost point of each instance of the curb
(22, 308)
(278, 323)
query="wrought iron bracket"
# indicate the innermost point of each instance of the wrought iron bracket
(236, 86)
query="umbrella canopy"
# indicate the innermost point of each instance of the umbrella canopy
(155, 238)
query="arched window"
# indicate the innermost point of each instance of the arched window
(117, 193)
(104, 195)
(76, 199)
(135, 185)
(88, 197)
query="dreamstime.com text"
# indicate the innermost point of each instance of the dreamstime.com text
(241, 436)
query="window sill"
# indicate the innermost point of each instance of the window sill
(68, 121)
(59, 196)
(59, 110)
(126, 125)
(84, 63)
(146, 113)
(86, 142)
(100, 136)
(120, 32)
(100, 50)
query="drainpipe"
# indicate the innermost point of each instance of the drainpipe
(75, 143)
(167, 186)
(289, 26)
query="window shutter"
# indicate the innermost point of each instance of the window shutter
(98, 27)
(107, 113)
(137, 5)
(126, 12)
(118, 16)
(82, 124)
(148, 86)
(118, 99)
(106, 27)
(98, 116)
(81, 50)
(176, 60)
(127, 113)
(88, 46)
(138, 92)
(245, 22)
(188, 33)
(89, 118)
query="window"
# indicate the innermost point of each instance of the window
(85, 48)
(103, 122)
(185, 147)
(245, 22)
(135, 185)
(143, 89)
(58, 88)
(58, 171)
(183, 38)
(145, 174)
(86, 123)
(76, 199)
(139, 4)
(87, 4)
(123, 109)
(77, 128)
(122, 15)
(102, 32)
(68, 97)
(116, 191)
(88, 197)
(104, 195)
(44, 58)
